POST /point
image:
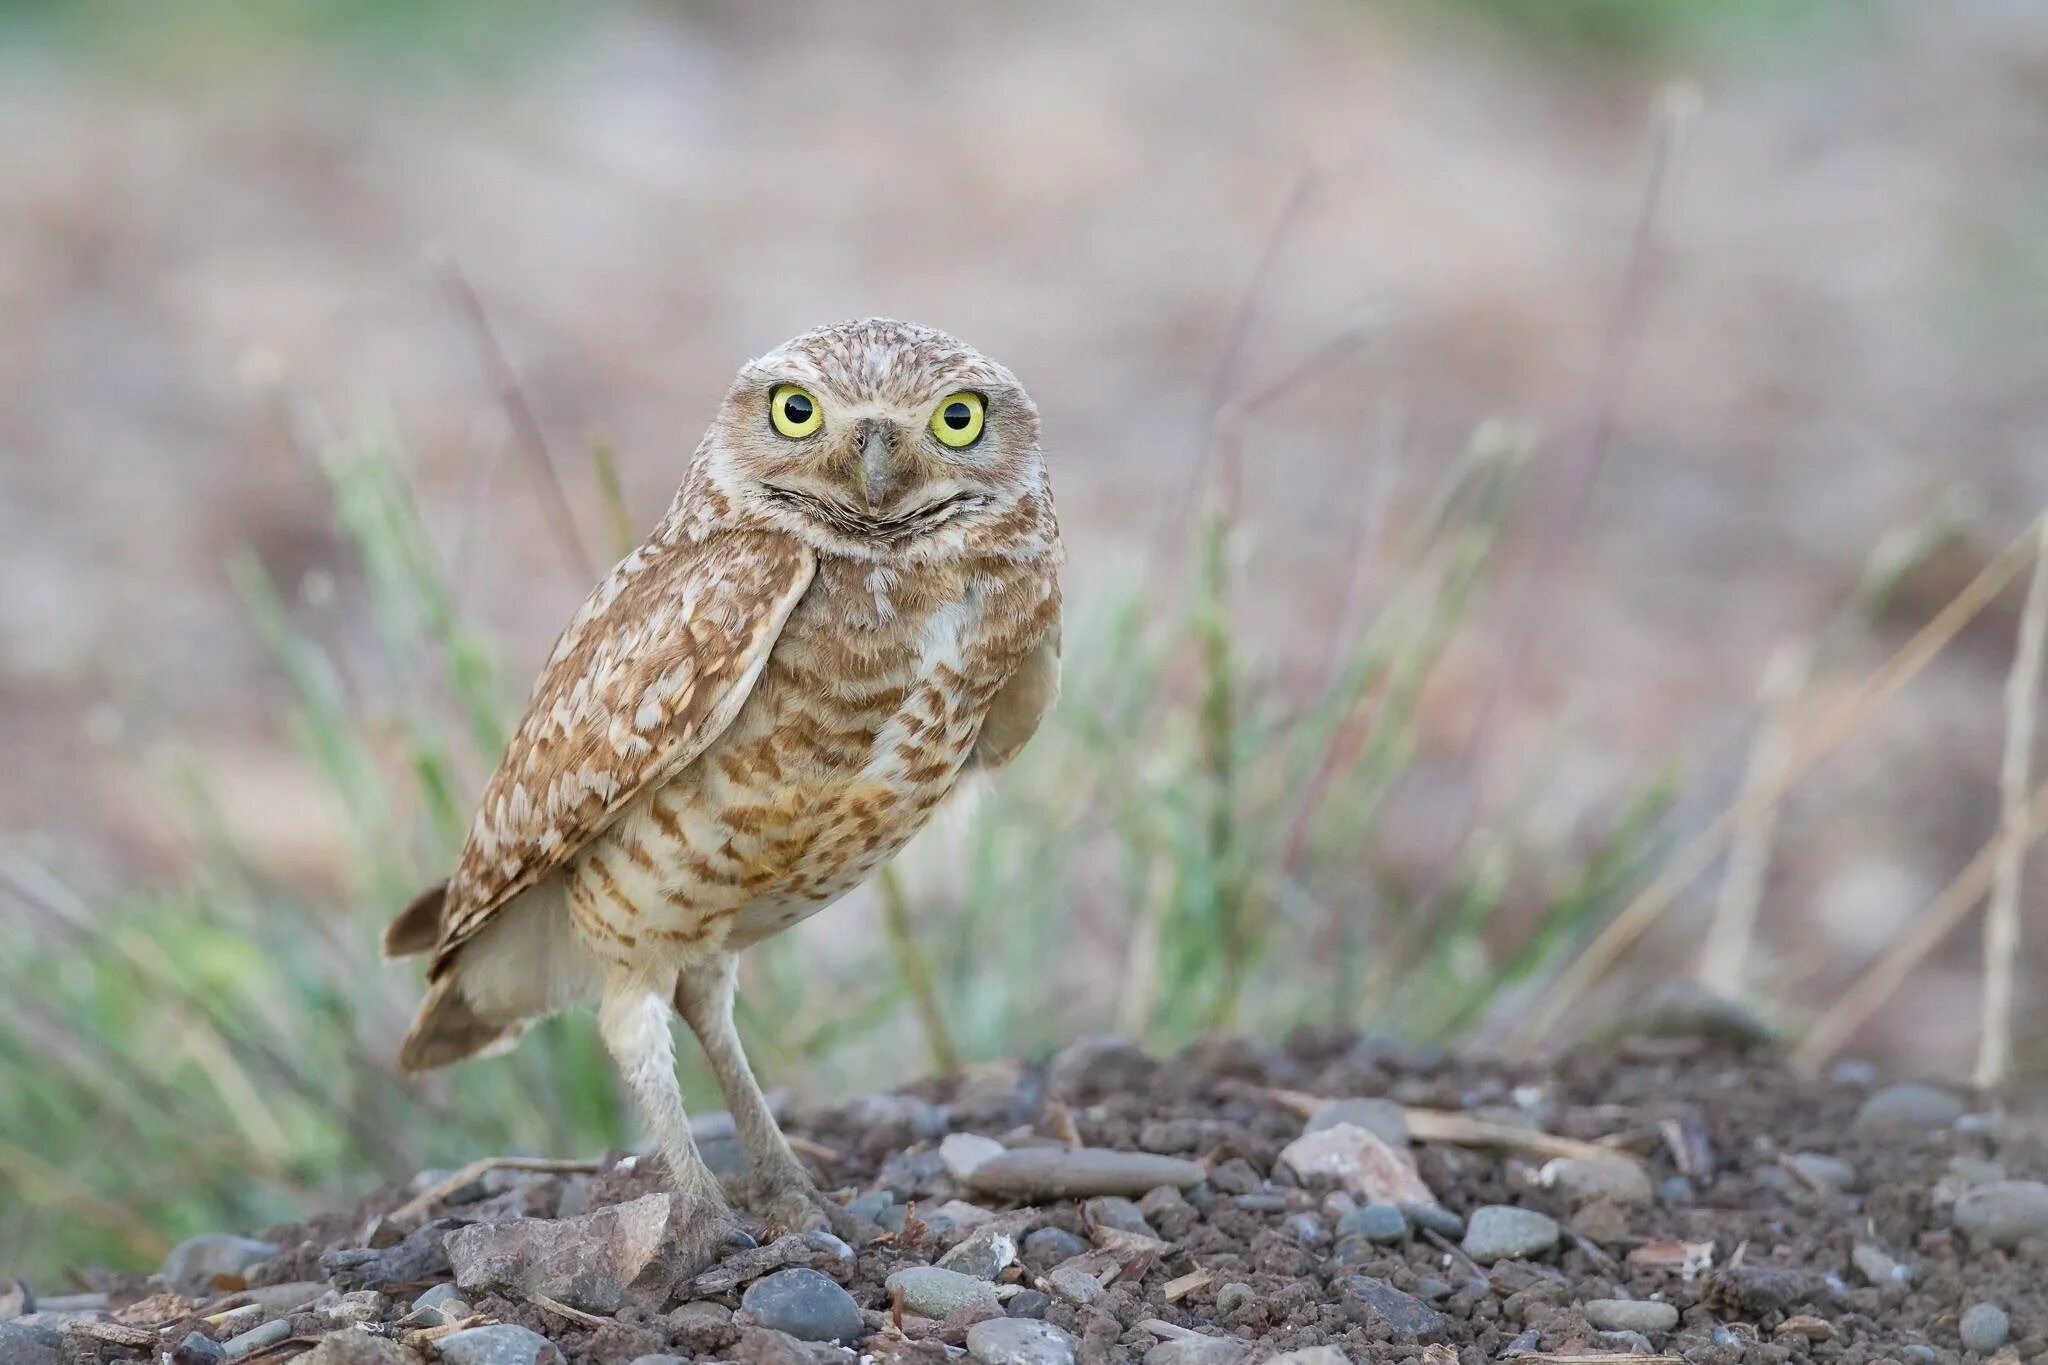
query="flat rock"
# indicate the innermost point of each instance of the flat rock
(1503, 1232)
(962, 1152)
(987, 1253)
(1115, 1211)
(932, 1292)
(257, 1339)
(353, 1346)
(1197, 1351)
(1824, 1171)
(1310, 1355)
(1581, 1180)
(1021, 1341)
(1045, 1248)
(21, 1345)
(1359, 1162)
(2003, 1212)
(422, 1256)
(501, 1343)
(1909, 1107)
(1385, 1119)
(1630, 1315)
(811, 1249)
(1076, 1172)
(1380, 1223)
(194, 1264)
(1401, 1312)
(599, 1262)
(806, 1304)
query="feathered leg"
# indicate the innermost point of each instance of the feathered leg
(778, 1187)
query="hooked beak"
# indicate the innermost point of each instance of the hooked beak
(874, 459)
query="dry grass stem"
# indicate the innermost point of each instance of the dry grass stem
(917, 973)
(430, 1198)
(1946, 911)
(1826, 735)
(2015, 776)
(1725, 961)
(1461, 1130)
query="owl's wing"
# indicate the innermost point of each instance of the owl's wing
(1028, 694)
(653, 668)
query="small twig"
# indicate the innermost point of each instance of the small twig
(526, 428)
(563, 1310)
(816, 1151)
(1828, 734)
(1726, 958)
(2015, 776)
(429, 1198)
(1462, 1130)
(1168, 1331)
(1942, 915)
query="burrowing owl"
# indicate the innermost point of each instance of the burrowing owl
(854, 597)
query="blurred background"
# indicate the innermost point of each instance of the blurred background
(1484, 432)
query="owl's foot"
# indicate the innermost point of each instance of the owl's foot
(705, 1230)
(789, 1203)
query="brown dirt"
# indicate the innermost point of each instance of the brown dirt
(1712, 1126)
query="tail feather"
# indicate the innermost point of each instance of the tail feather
(417, 928)
(448, 1029)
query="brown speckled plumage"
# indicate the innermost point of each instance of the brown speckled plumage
(760, 705)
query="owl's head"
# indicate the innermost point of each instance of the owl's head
(876, 438)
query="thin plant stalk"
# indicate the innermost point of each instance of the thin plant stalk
(917, 972)
(2002, 921)
(1949, 909)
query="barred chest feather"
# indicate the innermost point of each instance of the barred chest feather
(869, 706)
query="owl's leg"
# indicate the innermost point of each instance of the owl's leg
(778, 1187)
(635, 1023)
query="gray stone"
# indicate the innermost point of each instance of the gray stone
(1503, 1232)
(1630, 1315)
(871, 1207)
(26, 1345)
(1233, 1296)
(1853, 1072)
(807, 1305)
(275, 1299)
(15, 1299)
(1115, 1211)
(1090, 1068)
(197, 1348)
(1311, 1355)
(659, 1360)
(422, 1256)
(1877, 1265)
(195, 1262)
(1827, 1172)
(987, 1253)
(1197, 1351)
(1433, 1218)
(599, 1262)
(1909, 1107)
(1074, 1284)
(501, 1343)
(1020, 1341)
(931, 1292)
(962, 1152)
(1077, 1172)
(1581, 1180)
(1920, 1353)
(256, 1339)
(1626, 1342)
(810, 1249)
(1382, 1223)
(1984, 1327)
(1027, 1303)
(1384, 1118)
(2003, 1212)
(1047, 1247)
(345, 1310)
(1402, 1312)
(354, 1346)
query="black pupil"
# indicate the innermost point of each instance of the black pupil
(958, 415)
(797, 408)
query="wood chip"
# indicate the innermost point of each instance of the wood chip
(116, 1334)
(816, 1151)
(1176, 1290)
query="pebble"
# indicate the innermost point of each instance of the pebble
(1829, 1172)
(1311, 1355)
(1919, 1353)
(931, 1292)
(659, 1360)
(1382, 1223)
(1021, 1341)
(194, 1263)
(1581, 1180)
(1077, 1172)
(1630, 1315)
(1074, 1285)
(1384, 1118)
(501, 1343)
(1908, 1107)
(256, 1338)
(1027, 1303)
(1503, 1232)
(21, 1345)
(1984, 1327)
(962, 1152)
(984, 1255)
(197, 1349)
(1877, 1265)
(806, 1304)
(871, 1207)
(352, 1346)
(1197, 1351)
(1854, 1072)
(344, 1310)
(1433, 1218)
(1047, 1247)
(1115, 1211)
(1402, 1312)
(1358, 1161)
(2003, 1212)
(1233, 1296)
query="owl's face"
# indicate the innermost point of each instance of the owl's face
(878, 437)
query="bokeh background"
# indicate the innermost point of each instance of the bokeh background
(1454, 409)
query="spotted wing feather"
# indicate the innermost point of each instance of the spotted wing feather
(655, 665)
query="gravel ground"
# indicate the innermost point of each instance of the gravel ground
(1335, 1199)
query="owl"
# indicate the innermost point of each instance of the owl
(853, 600)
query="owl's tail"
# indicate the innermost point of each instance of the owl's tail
(417, 929)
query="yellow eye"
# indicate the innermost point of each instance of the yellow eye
(794, 412)
(957, 423)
